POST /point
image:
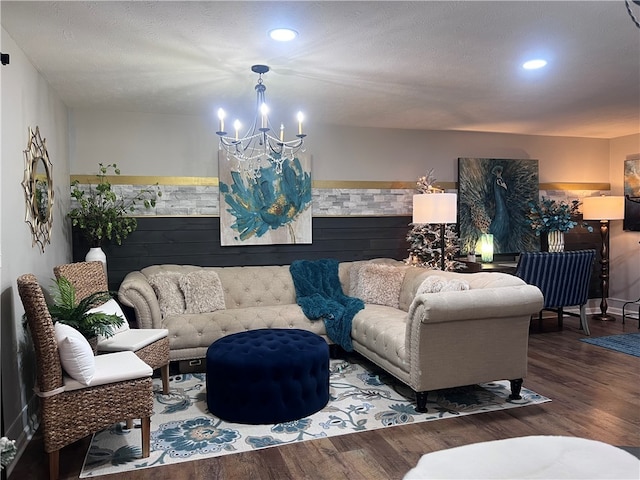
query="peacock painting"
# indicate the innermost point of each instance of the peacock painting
(493, 195)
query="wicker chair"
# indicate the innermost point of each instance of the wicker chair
(151, 345)
(562, 277)
(70, 411)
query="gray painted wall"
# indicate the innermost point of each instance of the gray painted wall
(27, 101)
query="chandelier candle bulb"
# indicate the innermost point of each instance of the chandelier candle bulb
(282, 132)
(300, 119)
(237, 126)
(221, 116)
(264, 110)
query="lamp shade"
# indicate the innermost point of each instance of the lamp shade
(603, 208)
(434, 208)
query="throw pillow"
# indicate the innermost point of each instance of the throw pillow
(111, 308)
(436, 283)
(76, 355)
(202, 291)
(380, 284)
(167, 288)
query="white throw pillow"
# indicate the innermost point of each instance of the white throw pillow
(111, 308)
(380, 284)
(436, 283)
(203, 291)
(76, 355)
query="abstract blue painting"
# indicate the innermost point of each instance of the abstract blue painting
(267, 204)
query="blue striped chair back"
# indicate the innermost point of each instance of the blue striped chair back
(562, 277)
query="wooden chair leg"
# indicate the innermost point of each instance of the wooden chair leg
(164, 371)
(146, 436)
(540, 321)
(54, 465)
(560, 315)
(129, 423)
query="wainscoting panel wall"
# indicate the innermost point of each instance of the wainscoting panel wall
(196, 241)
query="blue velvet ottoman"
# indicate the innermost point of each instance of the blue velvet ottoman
(267, 376)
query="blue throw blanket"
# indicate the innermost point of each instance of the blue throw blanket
(319, 293)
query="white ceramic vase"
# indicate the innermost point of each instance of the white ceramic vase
(556, 241)
(96, 254)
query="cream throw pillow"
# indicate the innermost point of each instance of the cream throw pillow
(202, 291)
(76, 355)
(436, 283)
(380, 284)
(167, 288)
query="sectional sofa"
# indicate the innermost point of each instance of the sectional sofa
(428, 328)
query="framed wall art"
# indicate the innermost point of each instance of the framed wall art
(632, 194)
(267, 204)
(493, 197)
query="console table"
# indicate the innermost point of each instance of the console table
(504, 266)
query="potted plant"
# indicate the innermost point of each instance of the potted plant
(554, 218)
(103, 215)
(65, 309)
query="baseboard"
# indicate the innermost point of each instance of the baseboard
(22, 429)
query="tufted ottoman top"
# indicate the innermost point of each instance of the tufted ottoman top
(267, 376)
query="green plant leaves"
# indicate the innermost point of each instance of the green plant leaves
(65, 310)
(101, 214)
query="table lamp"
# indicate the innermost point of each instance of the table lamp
(436, 208)
(604, 209)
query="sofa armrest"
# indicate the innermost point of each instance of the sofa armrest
(470, 336)
(475, 304)
(136, 292)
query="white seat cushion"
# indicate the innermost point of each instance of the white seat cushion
(132, 339)
(111, 368)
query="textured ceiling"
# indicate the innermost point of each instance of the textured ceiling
(416, 65)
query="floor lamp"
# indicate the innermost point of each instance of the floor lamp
(603, 208)
(436, 208)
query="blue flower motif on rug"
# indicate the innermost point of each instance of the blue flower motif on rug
(200, 435)
(295, 427)
(398, 415)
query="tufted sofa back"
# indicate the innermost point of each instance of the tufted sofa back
(259, 286)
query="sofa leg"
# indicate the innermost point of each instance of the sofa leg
(421, 401)
(335, 351)
(516, 386)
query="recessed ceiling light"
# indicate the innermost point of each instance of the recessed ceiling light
(534, 64)
(283, 34)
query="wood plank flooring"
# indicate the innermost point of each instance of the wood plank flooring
(595, 393)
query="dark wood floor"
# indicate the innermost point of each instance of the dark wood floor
(595, 395)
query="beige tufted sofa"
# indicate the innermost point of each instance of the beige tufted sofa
(429, 341)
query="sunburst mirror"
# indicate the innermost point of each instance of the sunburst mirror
(38, 189)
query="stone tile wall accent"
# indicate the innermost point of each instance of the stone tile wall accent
(187, 200)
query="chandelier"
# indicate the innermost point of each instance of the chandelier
(259, 147)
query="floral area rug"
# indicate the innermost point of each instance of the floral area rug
(362, 397)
